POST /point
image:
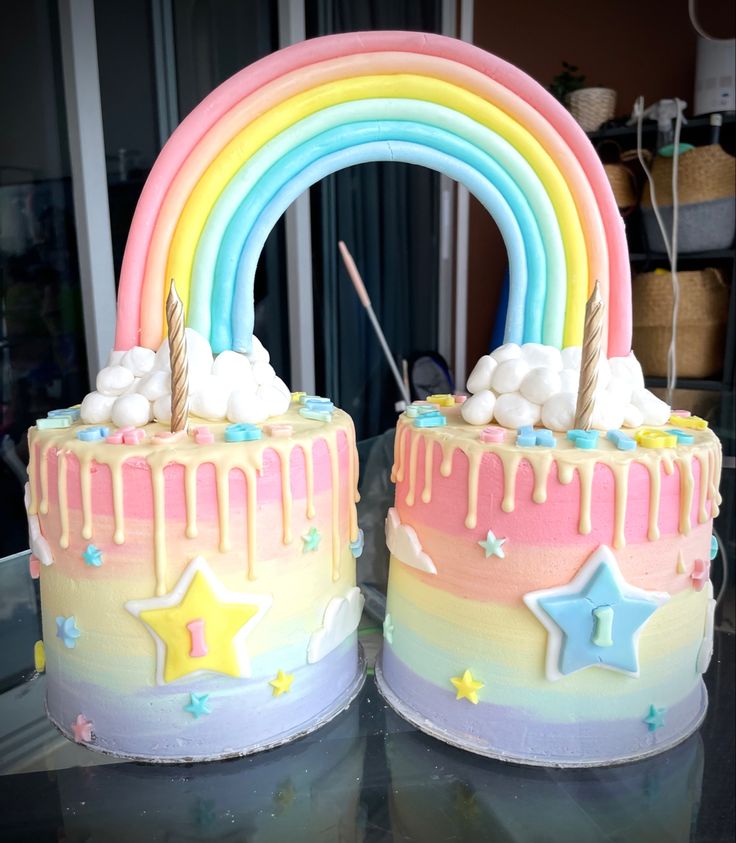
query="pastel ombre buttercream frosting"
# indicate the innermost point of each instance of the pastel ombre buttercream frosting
(198, 590)
(550, 603)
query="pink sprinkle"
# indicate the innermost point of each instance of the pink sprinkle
(203, 435)
(684, 413)
(493, 434)
(82, 729)
(116, 437)
(700, 574)
(199, 645)
(35, 567)
(278, 430)
(460, 399)
(133, 436)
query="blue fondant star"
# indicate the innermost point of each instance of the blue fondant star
(197, 705)
(595, 620)
(311, 540)
(67, 631)
(655, 718)
(493, 546)
(92, 556)
(356, 547)
(713, 548)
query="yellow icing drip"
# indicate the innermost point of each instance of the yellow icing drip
(458, 436)
(57, 444)
(412, 467)
(190, 496)
(63, 505)
(654, 495)
(428, 457)
(474, 458)
(681, 569)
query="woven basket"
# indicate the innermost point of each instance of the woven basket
(701, 322)
(591, 107)
(624, 186)
(704, 173)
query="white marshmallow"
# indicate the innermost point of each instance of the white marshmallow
(633, 416)
(139, 360)
(210, 400)
(96, 408)
(114, 380)
(263, 372)
(478, 409)
(569, 380)
(514, 411)
(114, 357)
(258, 353)
(232, 365)
(131, 410)
(509, 375)
(245, 406)
(608, 414)
(199, 354)
(482, 374)
(558, 412)
(162, 409)
(155, 384)
(628, 369)
(619, 390)
(653, 409)
(535, 354)
(604, 372)
(571, 357)
(274, 399)
(282, 387)
(540, 384)
(508, 351)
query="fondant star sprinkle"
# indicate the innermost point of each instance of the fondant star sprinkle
(467, 687)
(700, 574)
(493, 546)
(356, 547)
(82, 729)
(67, 631)
(388, 629)
(282, 683)
(311, 540)
(200, 625)
(197, 705)
(595, 620)
(655, 718)
(92, 556)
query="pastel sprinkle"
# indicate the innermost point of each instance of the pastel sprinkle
(39, 656)
(430, 420)
(72, 412)
(655, 718)
(279, 431)
(621, 440)
(493, 434)
(67, 631)
(82, 729)
(684, 413)
(116, 437)
(54, 422)
(442, 399)
(683, 438)
(700, 574)
(691, 422)
(420, 408)
(356, 547)
(198, 705)
(92, 556)
(93, 434)
(649, 437)
(527, 436)
(297, 396)
(134, 436)
(323, 404)
(460, 399)
(34, 567)
(242, 432)
(203, 435)
(585, 439)
(713, 547)
(311, 540)
(316, 415)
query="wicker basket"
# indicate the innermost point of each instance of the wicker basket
(624, 186)
(591, 107)
(701, 322)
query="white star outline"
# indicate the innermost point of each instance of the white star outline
(555, 635)
(200, 565)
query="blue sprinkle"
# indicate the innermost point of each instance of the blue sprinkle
(683, 437)
(242, 433)
(92, 556)
(72, 412)
(324, 405)
(430, 420)
(621, 440)
(528, 437)
(713, 548)
(93, 434)
(356, 547)
(316, 415)
(414, 410)
(67, 631)
(585, 439)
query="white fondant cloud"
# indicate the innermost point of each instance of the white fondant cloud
(40, 548)
(404, 544)
(342, 616)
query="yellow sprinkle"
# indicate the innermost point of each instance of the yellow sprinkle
(39, 656)
(693, 422)
(296, 396)
(443, 399)
(648, 437)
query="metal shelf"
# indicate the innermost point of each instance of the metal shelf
(686, 383)
(714, 254)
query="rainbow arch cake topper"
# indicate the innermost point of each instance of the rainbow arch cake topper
(262, 137)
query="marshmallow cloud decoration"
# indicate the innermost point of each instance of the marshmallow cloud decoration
(519, 385)
(404, 544)
(342, 616)
(136, 386)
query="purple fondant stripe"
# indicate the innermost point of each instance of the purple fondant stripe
(516, 735)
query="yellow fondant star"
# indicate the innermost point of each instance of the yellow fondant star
(467, 687)
(282, 683)
(200, 625)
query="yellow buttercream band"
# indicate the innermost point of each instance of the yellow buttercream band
(407, 86)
